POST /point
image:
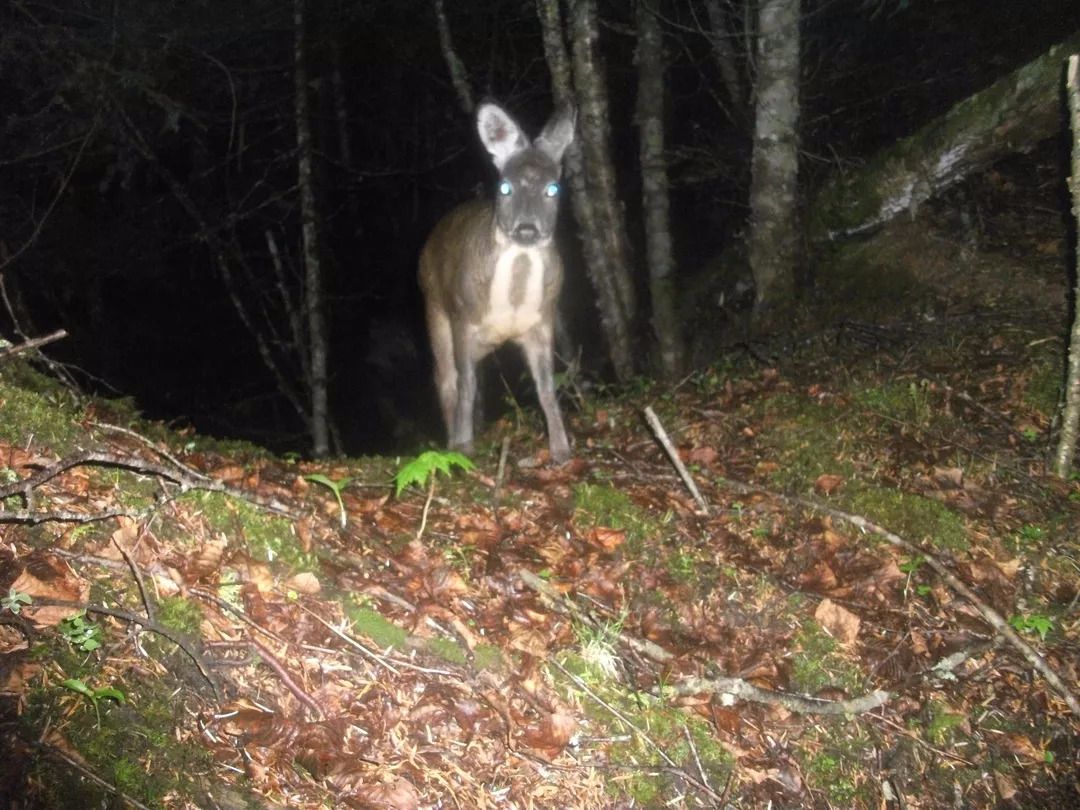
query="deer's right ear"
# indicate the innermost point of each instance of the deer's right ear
(499, 133)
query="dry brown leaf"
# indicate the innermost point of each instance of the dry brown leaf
(551, 735)
(52, 579)
(841, 623)
(304, 582)
(607, 539)
(1005, 788)
(207, 559)
(397, 795)
(827, 483)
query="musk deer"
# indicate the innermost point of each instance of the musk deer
(491, 273)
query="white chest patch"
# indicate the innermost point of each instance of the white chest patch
(516, 294)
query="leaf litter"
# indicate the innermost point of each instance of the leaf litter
(585, 636)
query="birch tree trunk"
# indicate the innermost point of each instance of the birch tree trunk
(773, 239)
(654, 190)
(602, 268)
(1066, 449)
(317, 382)
(458, 76)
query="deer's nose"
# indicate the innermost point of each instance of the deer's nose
(526, 233)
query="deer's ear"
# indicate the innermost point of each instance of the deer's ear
(558, 133)
(499, 133)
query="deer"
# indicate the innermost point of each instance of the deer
(490, 273)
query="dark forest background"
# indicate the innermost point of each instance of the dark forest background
(148, 173)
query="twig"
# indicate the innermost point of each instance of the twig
(668, 761)
(89, 774)
(145, 623)
(501, 469)
(794, 703)
(135, 572)
(673, 455)
(62, 516)
(991, 616)
(33, 343)
(286, 678)
(186, 478)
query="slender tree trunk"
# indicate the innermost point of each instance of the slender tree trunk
(720, 37)
(654, 190)
(616, 328)
(1066, 449)
(773, 239)
(594, 131)
(458, 75)
(317, 384)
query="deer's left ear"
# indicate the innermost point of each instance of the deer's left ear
(558, 133)
(499, 133)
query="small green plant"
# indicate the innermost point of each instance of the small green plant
(422, 469)
(14, 601)
(334, 486)
(81, 632)
(1035, 623)
(95, 696)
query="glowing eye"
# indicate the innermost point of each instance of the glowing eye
(505, 188)
(552, 190)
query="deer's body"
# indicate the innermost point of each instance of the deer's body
(491, 273)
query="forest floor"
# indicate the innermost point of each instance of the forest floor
(866, 609)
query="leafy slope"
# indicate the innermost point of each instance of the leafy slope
(576, 637)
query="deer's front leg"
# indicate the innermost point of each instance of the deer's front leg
(466, 357)
(537, 347)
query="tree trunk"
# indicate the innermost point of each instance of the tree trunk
(654, 191)
(601, 269)
(1066, 448)
(1011, 115)
(720, 38)
(773, 240)
(317, 383)
(458, 77)
(594, 131)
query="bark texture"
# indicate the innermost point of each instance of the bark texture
(313, 301)
(1012, 115)
(1066, 449)
(609, 276)
(458, 76)
(654, 191)
(773, 240)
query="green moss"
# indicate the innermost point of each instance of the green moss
(599, 505)
(917, 519)
(942, 723)
(647, 781)
(180, 614)
(906, 401)
(819, 663)
(266, 537)
(1043, 389)
(373, 625)
(837, 767)
(807, 440)
(133, 744)
(33, 409)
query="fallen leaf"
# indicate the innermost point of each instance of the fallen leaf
(827, 483)
(304, 582)
(841, 623)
